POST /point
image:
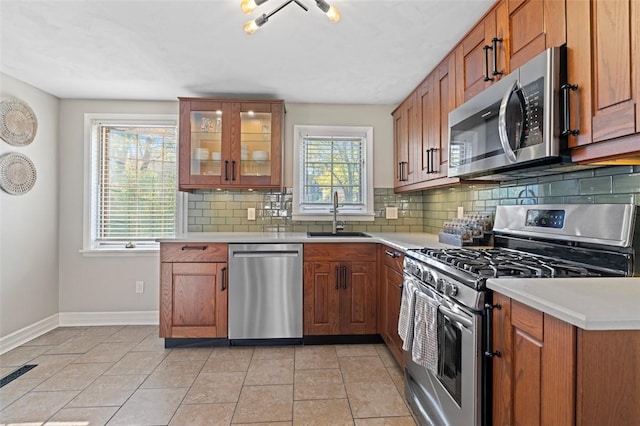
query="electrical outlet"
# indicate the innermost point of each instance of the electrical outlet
(460, 212)
(139, 286)
(251, 213)
(392, 213)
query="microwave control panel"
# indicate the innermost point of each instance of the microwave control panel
(534, 100)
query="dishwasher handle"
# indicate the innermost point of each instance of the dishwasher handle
(267, 253)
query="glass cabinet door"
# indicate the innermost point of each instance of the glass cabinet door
(206, 143)
(255, 143)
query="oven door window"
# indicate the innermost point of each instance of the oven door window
(450, 357)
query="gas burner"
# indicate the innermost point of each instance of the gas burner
(501, 262)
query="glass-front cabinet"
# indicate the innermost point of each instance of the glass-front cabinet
(230, 143)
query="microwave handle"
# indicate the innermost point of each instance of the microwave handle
(502, 123)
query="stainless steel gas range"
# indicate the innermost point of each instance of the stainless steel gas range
(445, 322)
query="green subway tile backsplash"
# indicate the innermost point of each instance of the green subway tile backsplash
(423, 211)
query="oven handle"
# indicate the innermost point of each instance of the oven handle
(488, 308)
(459, 318)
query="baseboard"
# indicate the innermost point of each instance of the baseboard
(27, 333)
(68, 319)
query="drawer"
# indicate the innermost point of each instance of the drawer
(320, 252)
(193, 252)
(392, 258)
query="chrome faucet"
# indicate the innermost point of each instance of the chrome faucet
(334, 229)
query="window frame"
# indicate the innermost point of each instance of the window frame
(322, 213)
(90, 246)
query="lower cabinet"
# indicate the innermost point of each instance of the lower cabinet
(550, 372)
(193, 290)
(340, 289)
(391, 296)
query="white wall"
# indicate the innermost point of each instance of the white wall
(107, 284)
(29, 222)
(378, 116)
(97, 284)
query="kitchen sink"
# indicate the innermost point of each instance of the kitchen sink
(338, 234)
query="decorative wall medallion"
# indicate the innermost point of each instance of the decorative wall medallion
(17, 173)
(18, 123)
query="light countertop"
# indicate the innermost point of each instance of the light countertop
(398, 240)
(588, 303)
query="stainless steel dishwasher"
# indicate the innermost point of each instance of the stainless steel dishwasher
(265, 291)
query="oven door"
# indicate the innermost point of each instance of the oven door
(451, 397)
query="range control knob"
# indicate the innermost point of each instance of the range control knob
(440, 284)
(452, 289)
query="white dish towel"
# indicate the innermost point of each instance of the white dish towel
(425, 334)
(405, 320)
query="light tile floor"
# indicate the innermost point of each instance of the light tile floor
(123, 375)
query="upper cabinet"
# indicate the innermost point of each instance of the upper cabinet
(405, 129)
(228, 143)
(532, 26)
(480, 56)
(603, 48)
(510, 34)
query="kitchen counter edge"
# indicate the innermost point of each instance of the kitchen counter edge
(597, 303)
(399, 240)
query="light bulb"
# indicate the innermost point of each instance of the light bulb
(250, 27)
(248, 6)
(333, 14)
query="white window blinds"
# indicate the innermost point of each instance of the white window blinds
(135, 177)
(332, 164)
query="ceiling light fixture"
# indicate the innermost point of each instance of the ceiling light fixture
(249, 6)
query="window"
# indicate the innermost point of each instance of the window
(133, 192)
(332, 159)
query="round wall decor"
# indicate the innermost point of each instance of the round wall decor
(17, 173)
(18, 123)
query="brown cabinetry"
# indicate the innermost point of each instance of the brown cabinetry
(193, 290)
(340, 292)
(226, 143)
(391, 295)
(551, 372)
(603, 43)
(405, 130)
(480, 56)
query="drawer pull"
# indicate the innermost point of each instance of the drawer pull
(392, 254)
(203, 248)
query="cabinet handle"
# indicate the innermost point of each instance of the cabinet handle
(400, 288)
(486, 49)
(403, 171)
(400, 171)
(566, 89)
(226, 169)
(233, 170)
(344, 277)
(433, 160)
(203, 248)
(488, 308)
(337, 278)
(494, 47)
(392, 254)
(223, 285)
(428, 152)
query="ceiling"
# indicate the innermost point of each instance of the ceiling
(162, 49)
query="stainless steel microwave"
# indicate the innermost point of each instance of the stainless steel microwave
(513, 125)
